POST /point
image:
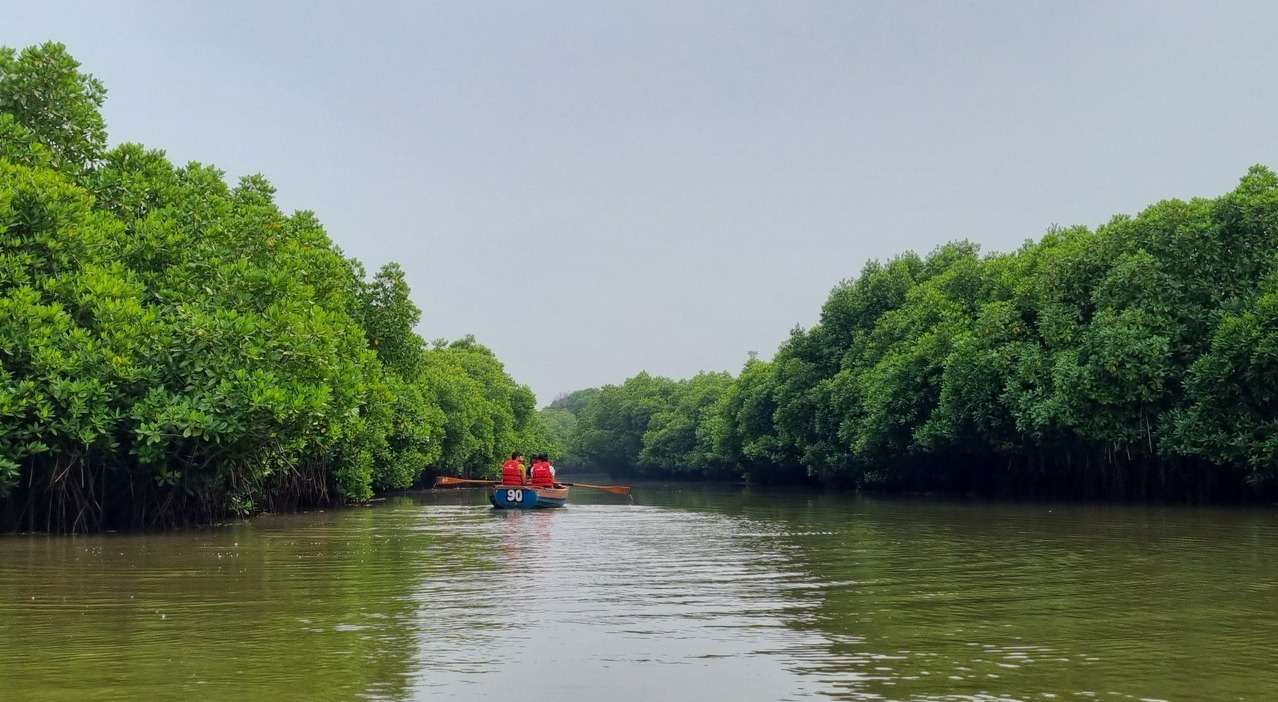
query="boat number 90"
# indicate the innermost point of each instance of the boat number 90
(514, 495)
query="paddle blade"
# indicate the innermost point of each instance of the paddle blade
(617, 489)
(614, 489)
(450, 481)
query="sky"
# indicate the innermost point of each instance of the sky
(594, 189)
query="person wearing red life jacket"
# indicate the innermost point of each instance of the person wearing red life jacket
(543, 474)
(512, 471)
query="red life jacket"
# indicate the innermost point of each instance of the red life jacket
(541, 475)
(512, 473)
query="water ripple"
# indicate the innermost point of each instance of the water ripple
(688, 593)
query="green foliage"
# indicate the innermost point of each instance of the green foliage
(487, 414)
(612, 424)
(1136, 360)
(389, 316)
(676, 438)
(173, 349)
(44, 91)
(555, 430)
(1232, 414)
(575, 402)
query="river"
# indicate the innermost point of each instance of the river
(707, 592)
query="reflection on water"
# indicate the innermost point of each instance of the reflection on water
(687, 592)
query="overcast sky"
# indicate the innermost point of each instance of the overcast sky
(595, 188)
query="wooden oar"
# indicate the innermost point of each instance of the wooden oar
(447, 480)
(614, 489)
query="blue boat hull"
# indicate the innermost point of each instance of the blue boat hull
(527, 497)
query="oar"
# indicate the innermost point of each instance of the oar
(614, 489)
(446, 480)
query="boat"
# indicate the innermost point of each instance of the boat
(527, 496)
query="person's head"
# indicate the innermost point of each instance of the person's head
(516, 456)
(543, 458)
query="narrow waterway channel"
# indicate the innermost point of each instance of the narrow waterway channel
(683, 592)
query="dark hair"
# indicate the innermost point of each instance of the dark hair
(515, 455)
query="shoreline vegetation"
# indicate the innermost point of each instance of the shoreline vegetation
(177, 351)
(1135, 361)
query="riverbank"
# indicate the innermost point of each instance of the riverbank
(1236, 492)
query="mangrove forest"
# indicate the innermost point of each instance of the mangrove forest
(175, 350)
(1137, 360)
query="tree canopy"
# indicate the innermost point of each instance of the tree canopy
(176, 349)
(1139, 359)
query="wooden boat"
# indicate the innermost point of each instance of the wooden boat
(527, 496)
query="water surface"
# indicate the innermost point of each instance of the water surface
(685, 592)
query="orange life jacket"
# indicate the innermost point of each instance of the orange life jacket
(541, 475)
(512, 473)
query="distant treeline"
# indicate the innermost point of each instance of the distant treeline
(175, 350)
(1138, 360)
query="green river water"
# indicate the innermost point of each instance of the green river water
(704, 592)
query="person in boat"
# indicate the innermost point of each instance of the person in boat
(543, 474)
(512, 471)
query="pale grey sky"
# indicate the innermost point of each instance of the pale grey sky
(595, 188)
